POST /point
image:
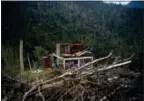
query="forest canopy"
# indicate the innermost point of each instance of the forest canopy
(101, 27)
(107, 67)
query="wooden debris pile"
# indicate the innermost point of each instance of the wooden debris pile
(85, 83)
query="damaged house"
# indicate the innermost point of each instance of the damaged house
(69, 55)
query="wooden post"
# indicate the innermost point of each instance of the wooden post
(78, 62)
(64, 64)
(58, 52)
(29, 62)
(21, 57)
(69, 49)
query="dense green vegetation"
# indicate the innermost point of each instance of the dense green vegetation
(102, 27)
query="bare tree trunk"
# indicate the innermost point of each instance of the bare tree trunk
(21, 57)
(29, 62)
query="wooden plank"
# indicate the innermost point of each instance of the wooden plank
(76, 58)
(58, 56)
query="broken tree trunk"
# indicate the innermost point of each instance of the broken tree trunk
(21, 57)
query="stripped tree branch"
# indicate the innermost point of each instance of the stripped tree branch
(40, 94)
(113, 66)
(94, 61)
(29, 91)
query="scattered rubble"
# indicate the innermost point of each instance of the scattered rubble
(86, 83)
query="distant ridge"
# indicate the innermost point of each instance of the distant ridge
(136, 4)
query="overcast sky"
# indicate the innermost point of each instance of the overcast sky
(128, 3)
(124, 2)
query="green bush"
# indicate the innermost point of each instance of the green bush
(39, 52)
(10, 57)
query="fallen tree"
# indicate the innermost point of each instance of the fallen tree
(86, 83)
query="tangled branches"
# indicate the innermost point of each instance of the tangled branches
(83, 84)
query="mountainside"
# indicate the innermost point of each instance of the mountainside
(31, 30)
